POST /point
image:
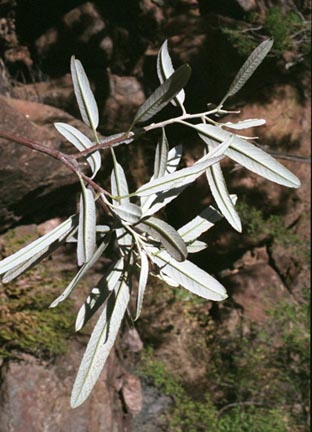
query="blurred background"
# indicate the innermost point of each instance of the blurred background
(188, 365)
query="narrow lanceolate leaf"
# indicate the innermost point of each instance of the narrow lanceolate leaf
(86, 101)
(196, 246)
(161, 156)
(119, 188)
(87, 226)
(245, 124)
(72, 285)
(99, 294)
(249, 67)
(166, 235)
(81, 142)
(100, 343)
(153, 203)
(184, 176)
(174, 158)
(222, 197)
(201, 223)
(165, 70)
(189, 276)
(142, 282)
(128, 212)
(36, 258)
(163, 94)
(250, 156)
(38, 246)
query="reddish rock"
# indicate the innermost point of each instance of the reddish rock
(132, 393)
(126, 96)
(34, 397)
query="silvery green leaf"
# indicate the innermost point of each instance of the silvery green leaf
(100, 293)
(87, 226)
(85, 98)
(161, 199)
(196, 246)
(142, 282)
(249, 67)
(165, 70)
(245, 124)
(201, 223)
(101, 342)
(222, 197)
(93, 302)
(119, 185)
(81, 142)
(81, 273)
(128, 212)
(103, 229)
(168, 280)
(174, 158)
(250, 156)
(38, 246)
(153, 203)
(161, 156)
(184, 176)
(189, 276)
(166, 235)
(36, 258)
(163, 94)
(119, 188)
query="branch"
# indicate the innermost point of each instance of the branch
(234, 404)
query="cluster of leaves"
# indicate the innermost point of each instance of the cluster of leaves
(291, 31)
(144, 241)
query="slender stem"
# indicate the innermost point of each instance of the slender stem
(64, 158)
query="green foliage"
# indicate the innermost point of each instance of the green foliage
(290, 32)
(190, 415)
(26, 325)
(257, 227)
(281, 27)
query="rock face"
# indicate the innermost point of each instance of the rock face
(27, 175)
(34, 397)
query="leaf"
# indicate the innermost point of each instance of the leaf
(189, 276)
(184, 176)
(196, 246)
(174, 158)
(85, 98)
(87, 226)
(250, 156)
(222, 197)
(248, 68)
(81, 273)
(245, 124)
(142, 282)
(153, 203)
(168, 280)
(165, 70)
(128, 212)
(166, 235)
(161, 156)
(81, 142)
(201, 223)
(163, 94)
(99, 294)
(119, 188)
(38, 246)
(100, 343)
